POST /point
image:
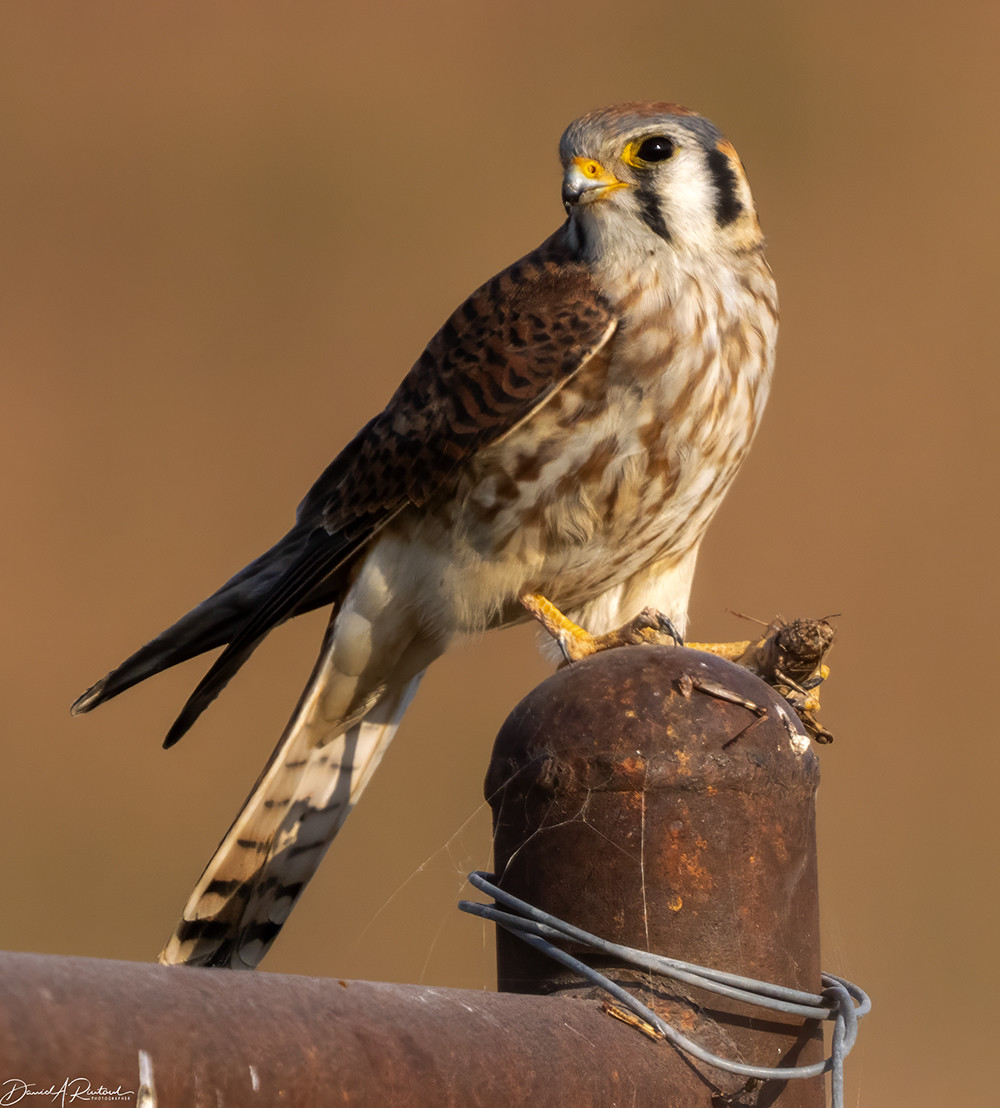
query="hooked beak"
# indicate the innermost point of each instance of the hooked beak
(585, 181)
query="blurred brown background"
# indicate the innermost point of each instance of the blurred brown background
(228, 229)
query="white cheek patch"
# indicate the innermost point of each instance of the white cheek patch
(687, 199)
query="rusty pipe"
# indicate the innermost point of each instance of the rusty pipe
(209, 1037)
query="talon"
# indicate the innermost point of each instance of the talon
(665, 624)
(565, 648)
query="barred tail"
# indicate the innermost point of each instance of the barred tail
(335, 740)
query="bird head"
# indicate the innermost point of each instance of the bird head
(651, 176)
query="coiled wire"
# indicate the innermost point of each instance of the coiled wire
(841, 1001)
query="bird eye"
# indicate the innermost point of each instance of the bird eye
(655, 149)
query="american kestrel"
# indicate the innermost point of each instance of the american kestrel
(569, 432)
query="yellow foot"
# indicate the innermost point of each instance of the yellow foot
(789, 656)
(649, 626)
(731, 651)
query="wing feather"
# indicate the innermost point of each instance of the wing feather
(500, 355)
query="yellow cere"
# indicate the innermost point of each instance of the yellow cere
(594, 171)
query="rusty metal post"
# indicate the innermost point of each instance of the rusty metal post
(634, 798)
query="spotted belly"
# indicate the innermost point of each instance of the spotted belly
(576, 502)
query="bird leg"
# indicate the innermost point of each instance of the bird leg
(650, 626)
(789, 656)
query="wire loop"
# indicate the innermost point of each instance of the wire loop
(841, 1001)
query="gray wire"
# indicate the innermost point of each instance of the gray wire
(836, 1002)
